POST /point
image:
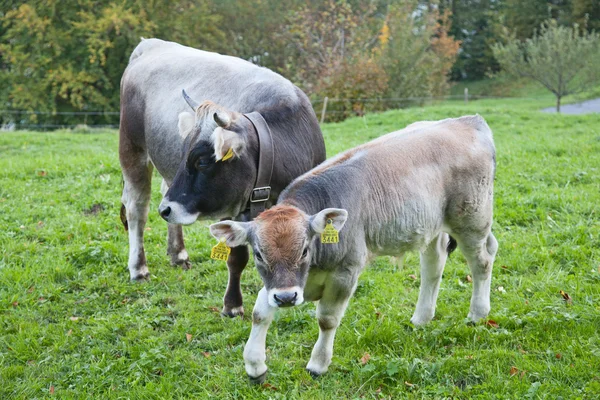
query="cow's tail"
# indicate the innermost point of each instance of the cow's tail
(451, 245)
(124, 212)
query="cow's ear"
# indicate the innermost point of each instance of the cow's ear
(227, 144)
(337, 216)
(233, 233)
(186, 123)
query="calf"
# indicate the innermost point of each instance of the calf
(408, 190)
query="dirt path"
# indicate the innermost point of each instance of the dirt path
(585, 107)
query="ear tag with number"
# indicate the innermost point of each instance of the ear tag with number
(228, 155)
(220, 251)
(330, 234)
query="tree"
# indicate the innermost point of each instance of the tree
(561, 58)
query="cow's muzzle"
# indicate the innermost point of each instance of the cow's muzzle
(175, 213)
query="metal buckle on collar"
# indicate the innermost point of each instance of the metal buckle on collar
(256, 197)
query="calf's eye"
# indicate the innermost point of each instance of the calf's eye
(305, 252)
(258, 256)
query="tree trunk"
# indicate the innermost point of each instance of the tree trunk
(557, 104)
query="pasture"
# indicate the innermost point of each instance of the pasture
(73, 326)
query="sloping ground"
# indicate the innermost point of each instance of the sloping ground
(585, 107)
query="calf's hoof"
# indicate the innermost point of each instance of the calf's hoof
(314, 374)
(258, 380)
(233, 312)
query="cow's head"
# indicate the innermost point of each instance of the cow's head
(217, 173)
(282, 240)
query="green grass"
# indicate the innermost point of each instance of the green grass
(71, 322)
(502, 85)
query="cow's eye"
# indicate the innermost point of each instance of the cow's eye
(202, 163)
(305, 252)
(258, 256)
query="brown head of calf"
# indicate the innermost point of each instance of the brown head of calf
(283, 240)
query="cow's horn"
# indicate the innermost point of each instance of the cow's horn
(222, 119)
(191, 102)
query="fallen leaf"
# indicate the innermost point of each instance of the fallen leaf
(206, 354)
(566, 296)
(69, 332)
(408, 384)
(51, 389)
(492, 323)
(522, 374)
(42, 173)
(365, 358)
(378, 390)
(413, 277)
(73, 318)
(469, 357)
(558, 356)
(15, 303)
(504, 267)
(159, 372)
(31, 289)
(269, 386)
(188, 337)
(469, 279)
(514, 371)
(214, 309)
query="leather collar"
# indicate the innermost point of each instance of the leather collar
(266, 156)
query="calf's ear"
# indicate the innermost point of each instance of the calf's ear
(233, 233)
(337, 216)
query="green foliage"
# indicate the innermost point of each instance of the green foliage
(560, 58)
(71, 323)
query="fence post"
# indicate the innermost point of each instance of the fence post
(324, 109)
(466, 95)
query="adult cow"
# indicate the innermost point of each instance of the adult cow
(210, 156)
(408, 190)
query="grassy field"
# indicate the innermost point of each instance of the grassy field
(73, 326)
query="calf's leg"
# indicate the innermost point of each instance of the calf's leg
(137, 176)
(480, 254)
(254, 352)
(232, 301)
(433, 259)
(330, 310)
(175, 245)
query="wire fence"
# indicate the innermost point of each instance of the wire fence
(329, 109)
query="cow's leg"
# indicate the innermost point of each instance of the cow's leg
(175, 246)
(254, 352)
(480, 254)
(137, 176)
(232, 301)
(330, 310)
(433, 259)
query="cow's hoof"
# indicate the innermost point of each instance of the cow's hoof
(143, 277)
(184, 264)
(259, 380)
(233, 312)
(313, 374)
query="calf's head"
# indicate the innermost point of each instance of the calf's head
(217, 169)
(282, 240)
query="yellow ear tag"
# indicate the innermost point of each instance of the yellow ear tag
(330, 234)
(220, 251)
(227, 155)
